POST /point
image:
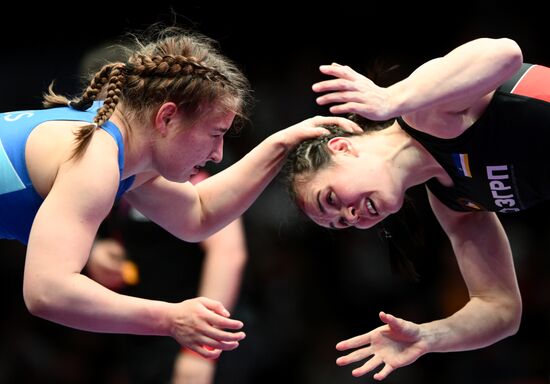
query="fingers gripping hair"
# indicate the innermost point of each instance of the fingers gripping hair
(310, 156)
(313, 154)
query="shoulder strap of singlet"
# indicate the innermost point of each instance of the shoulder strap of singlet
(113, 130)
(510, 84)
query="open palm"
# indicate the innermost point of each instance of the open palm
(395, 344)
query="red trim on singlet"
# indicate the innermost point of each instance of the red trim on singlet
(534, 83)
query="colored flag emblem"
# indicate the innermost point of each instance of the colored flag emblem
(462, 164)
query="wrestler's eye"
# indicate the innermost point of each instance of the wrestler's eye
(331, 199)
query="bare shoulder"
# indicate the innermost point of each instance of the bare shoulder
(89, 183)
(447, 121)
(447, 217)
(82, 194)
(456, 223)
(50, 145)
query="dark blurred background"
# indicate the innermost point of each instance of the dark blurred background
(305, 288)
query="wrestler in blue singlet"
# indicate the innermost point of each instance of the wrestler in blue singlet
(19, 201)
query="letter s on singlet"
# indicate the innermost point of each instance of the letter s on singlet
(16, 116)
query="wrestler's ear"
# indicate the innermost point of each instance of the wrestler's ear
(165, 114)
(342, 145)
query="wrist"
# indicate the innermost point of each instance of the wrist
(395, 104)
(429, 338)
(278, 142)
(163, 316)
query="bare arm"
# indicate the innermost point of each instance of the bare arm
(59, 245)
(225, 258)
(453, 82)
(485, 261)
(492, 313)
(193, 213)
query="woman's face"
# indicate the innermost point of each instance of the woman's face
(356, 190)
(186, 149)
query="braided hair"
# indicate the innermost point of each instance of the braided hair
(313, 155)
(310, 156)
(175, 65)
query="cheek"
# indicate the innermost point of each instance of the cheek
(348, 186)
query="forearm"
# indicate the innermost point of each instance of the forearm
(78, 302)
(478, 324)
(485, 260)
(192, 213)
(195, 212)
(471, 70)
(221, 280)
(224, 261)
(226, 195)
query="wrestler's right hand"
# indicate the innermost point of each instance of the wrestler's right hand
(199, 324)
(351, 92)
(393, 345)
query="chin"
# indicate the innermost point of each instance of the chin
(391, 206)
(369, 222)
(368, 225)
(182, 178)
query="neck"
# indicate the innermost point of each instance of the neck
(136, 145)
(412, 163)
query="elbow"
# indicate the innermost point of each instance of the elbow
(512, 56)
(194, 233)
(512, 312)
(516, 320)
(189, 234)
(192, 237)
(38, 299)
(35, 302)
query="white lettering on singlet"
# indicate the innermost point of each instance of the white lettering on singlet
(16, 116)
(501, 191)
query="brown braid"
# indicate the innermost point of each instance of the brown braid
(172, 65)
(112, 76)
(94, 89)
(114, 93)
